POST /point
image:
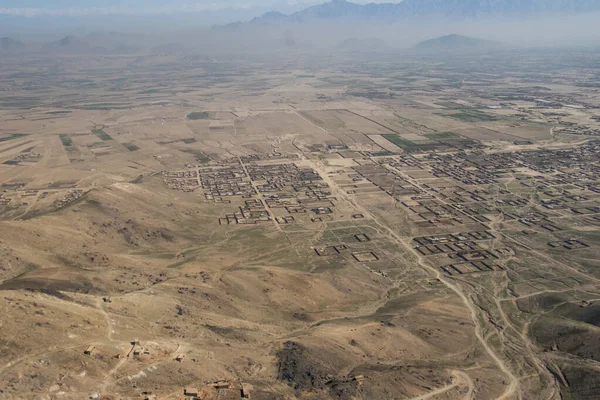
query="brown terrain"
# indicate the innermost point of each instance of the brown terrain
(182, 228)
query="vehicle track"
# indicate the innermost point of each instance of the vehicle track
(513, 387)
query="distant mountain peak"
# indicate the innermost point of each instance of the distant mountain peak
(66, 40)
(333, 9)
(455, 42)
(70, 40)
(68, 44)
(274, 15)
(10, 44)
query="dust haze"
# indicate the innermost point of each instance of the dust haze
(322, 205)
(257, 34)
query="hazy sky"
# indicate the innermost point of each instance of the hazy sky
(86, 7)
(61, 17)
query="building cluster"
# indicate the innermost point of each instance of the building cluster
(276, 155)
(471, 267)
(28, 156)
(186, 181)
(293, 189)
(466, 171)
(18, 194)
(252, 212)
(280, 177)
(387, 180)
(70, 197)
(571, 244)
(455, 191)
(221, 389)
(263, 187)
(463, 252)
(471, 194)
(355, 247)
(4, 200)
(228, 180)
(580, 130)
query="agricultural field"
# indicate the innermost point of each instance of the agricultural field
(375, 230)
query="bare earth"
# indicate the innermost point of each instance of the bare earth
(234, 228)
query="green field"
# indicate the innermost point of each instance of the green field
(149, 91)
(66, 140)
(409, 146)
(105, 106)
(472, 116)
(12, 136)
(58, 112)
(441, 135)
(101, 134)
(130, 146)
(193, 116)
(382, 153)
(200, 156)
(398, 141)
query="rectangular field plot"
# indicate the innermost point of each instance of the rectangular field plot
(470, 267)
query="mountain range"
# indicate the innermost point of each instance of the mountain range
(10, 45)
(96, 43)
(347, 26)
(433, 8)
(455, 42)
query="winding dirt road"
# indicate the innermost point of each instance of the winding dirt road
(512, 389)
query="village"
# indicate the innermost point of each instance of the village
(177, 226)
